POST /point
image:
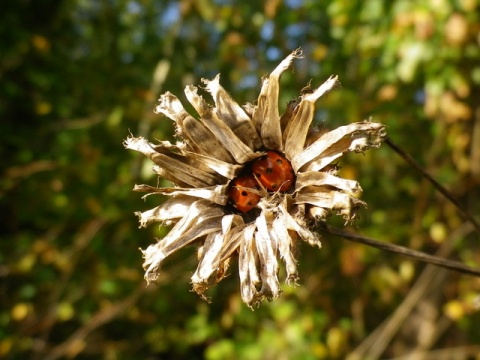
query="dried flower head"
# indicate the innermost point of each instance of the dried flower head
(249, 182)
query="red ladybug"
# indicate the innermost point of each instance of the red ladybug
(274, 172)
(242, 199)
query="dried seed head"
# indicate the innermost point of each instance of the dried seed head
(247, 182)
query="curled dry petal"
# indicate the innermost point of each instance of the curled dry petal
(267, 250)
(215, 157)
(330, 146)
(224, 134)
(247, 268)
(317, 178)
(200, 220)
(211, 264)
(296, 131)
(174, 208)
(195, 133)
(286, 246)
(208, 263)
(232, 114)
(216, 194)
(220, 167)
(266, 116)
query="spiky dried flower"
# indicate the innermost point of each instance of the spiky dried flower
(209, 165)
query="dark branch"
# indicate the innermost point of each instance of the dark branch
(437, 185)
(435, 260)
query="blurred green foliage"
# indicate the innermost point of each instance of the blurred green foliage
(78, 76)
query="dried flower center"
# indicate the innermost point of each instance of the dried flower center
(272, 171)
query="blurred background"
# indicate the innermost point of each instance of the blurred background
(78, 76)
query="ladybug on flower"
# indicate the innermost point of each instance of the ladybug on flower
(269, 168)
(243, 193)
(271, 172)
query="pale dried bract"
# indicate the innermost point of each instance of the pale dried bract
(221, 145)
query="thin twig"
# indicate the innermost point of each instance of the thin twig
(435, 260)
(82, 240)
(70, 347)
(377, 341)
(437, 185)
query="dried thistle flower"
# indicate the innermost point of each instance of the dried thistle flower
(248, 182)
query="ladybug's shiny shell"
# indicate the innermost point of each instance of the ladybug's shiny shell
(274, 172)
(242, 199)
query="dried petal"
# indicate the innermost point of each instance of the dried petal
(240, 152)
(177, 168)
(331, 143)
(223, 168)
(317, 178)
(201, 219)
(174, 208)
(266, 117)
(247, 269)
(297, 226)
(208, 263)
(297, 129)
(286, 248)
(197, 136)
(267, 254)
(232, 114)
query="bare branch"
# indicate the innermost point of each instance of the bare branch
(437, 185)
(75, 343)
(431, 259)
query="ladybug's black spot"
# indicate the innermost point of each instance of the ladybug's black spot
(269, 170)
(274, 186)
(244, 193)
(279, 161)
